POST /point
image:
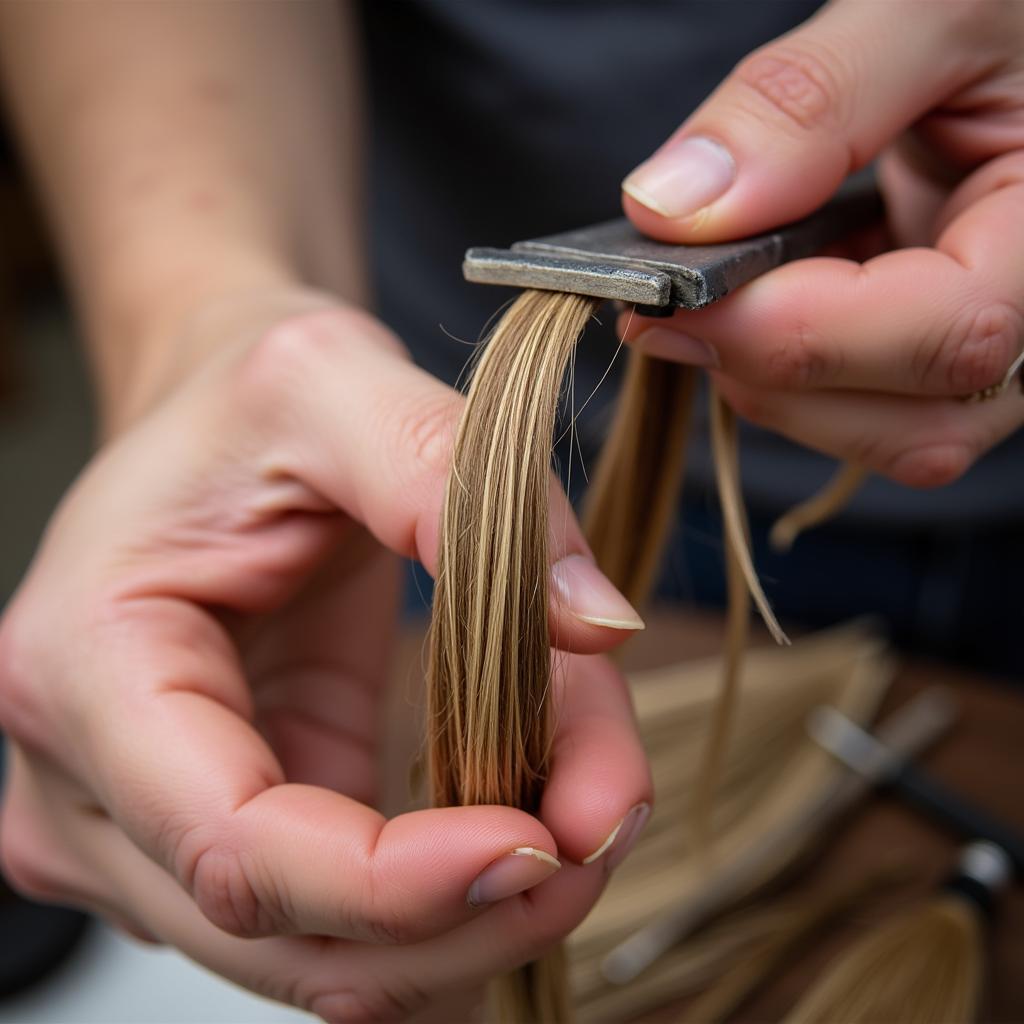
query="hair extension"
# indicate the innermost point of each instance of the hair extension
(732, 959)
(490, 656)
(490, 660)
(828, 502)
(632, 500)
(770, 776)
(630, 511)
(924, 966)
(787, 926)
(725, 450)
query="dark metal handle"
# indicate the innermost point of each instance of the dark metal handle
(613, 260)
(948, 807)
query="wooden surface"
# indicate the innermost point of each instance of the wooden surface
(982, 758)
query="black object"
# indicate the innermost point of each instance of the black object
(975, 892)
(865, 754)
(614, 261)
(34, 939)
(949, 808)
(983, 870)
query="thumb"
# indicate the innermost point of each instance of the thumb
(777, 137)
(376, 440)
(169, 747)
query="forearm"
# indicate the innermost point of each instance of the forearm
(187, 151)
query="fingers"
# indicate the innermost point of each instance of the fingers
(914, 321)
(947, 321)
(257, 855)
(375, 436)
(318, 677)
(916, 442)
(599, 792)
(34, 859)
(312, 858)
(337, 979)
(781, 132)
(508, 936)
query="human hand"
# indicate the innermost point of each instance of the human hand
(868, 362)
(192, 673)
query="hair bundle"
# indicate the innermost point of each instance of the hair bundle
(925, 965)
(633, 497)
(922, 968)
(490, 656)
(490, 662)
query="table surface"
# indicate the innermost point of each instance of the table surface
(982, 758)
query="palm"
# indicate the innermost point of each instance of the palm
(317, 668)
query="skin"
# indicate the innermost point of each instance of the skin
(192, 673)
(868, 361)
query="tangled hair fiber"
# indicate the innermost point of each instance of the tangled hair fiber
(490, 667)
(767, 815)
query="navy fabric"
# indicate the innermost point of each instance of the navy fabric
(495, 120)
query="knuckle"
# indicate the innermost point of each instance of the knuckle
(547, 930)
(797, 363)
(534, 929)
(383, 921)
(283, 357)
(371, 1003)
(928, 465)
(14, 692)
(982, 347)
(25, 864)
(133, 929)
(20, 710)
(749, 404)
(426, 430)
(389, 930)
(298, 348)
(798, 83)
(224, 888)
(989, 23)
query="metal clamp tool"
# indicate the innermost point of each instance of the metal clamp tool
(614, 261)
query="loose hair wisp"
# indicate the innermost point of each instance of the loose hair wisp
(490, 661)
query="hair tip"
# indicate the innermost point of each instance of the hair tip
(636, 625)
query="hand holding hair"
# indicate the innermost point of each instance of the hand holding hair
(865, 361)
(192, 677)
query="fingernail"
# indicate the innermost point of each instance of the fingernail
(683, 177)
(621, 840)
(662, 343)
(517, 871)
(591, 596)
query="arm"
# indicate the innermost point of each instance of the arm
(187, 153)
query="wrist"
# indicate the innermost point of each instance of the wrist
(159, 334)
